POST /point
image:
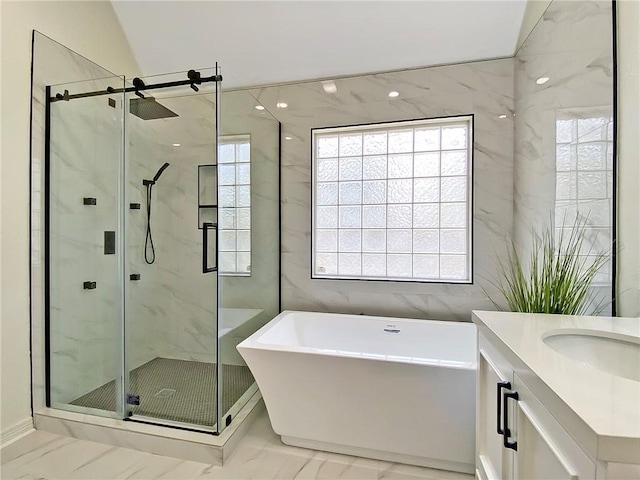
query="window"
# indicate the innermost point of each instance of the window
(393, 201)
(234, 203)
(584, 180)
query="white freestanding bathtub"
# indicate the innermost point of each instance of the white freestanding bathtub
(387, 388)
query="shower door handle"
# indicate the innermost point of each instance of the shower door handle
(206, 228)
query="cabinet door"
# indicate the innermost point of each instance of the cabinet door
(545, 450)
(493, 461)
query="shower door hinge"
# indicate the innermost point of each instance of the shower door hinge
(133, 399)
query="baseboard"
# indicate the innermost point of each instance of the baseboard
(17, 431)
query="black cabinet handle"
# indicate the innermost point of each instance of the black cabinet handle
(501, 385)
(507, 432)
(206, 227)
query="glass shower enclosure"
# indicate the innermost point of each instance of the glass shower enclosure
(162, 221)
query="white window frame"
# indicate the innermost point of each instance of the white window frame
(236, 140)
(468, 120)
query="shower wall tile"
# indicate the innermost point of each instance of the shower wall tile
(484, 89)
(572, 46)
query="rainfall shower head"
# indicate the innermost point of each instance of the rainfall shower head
(149, 109)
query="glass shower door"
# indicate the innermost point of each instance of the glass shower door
(172, 216)
(84, 315)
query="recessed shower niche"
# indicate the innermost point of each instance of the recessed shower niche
(147, 288)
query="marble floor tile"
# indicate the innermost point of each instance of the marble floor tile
(260, 455)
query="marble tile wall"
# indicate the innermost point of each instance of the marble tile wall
(572, 45)
(484, 89)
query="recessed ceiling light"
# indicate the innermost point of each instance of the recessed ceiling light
(176, 144)
(542, 80)
(502, 116)
(288, 138)
(281, 105)
(259, 107)
(394, 94)
(329, 86)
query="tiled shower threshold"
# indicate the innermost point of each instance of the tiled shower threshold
(171, 442)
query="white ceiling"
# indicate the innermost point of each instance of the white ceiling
(265, 42)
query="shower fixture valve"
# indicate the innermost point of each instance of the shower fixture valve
(89, 285)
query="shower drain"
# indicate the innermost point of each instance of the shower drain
(165, 393)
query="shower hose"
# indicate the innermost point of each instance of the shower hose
(149, 256)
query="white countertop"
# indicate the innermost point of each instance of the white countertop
(606, 403)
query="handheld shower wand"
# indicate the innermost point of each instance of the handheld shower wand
(150, 256)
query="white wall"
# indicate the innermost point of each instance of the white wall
(91, 29)
(629, 158)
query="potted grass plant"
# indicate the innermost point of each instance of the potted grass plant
(556, 278)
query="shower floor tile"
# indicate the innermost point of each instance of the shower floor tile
(176, 390)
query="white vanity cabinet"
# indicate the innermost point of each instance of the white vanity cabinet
(517, 437)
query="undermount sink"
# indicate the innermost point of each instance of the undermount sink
(613, 353)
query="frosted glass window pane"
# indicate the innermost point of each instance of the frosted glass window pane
(426, 190)
(400, 191)
(328, 170)
(592, 129)
(350, 263)
(592, 156)
(400, 166)
(453, 214)
(327, 217)
(244, 262)
(400, 216)
(350, 241)
(565, 186)
(244, 174)
(598, 212)
(227, 196)
(374, 192)
(399, 265)
(244, 240)
(351, 145)
(566, 131)
(399, 241)
(374, 216)
(427, 139)
(327, 263)
(227, 174)
(226, 153)
(227, 240)
(228, 261)
(350, 217)
(425, 241)
(351, 168)
(453, 267)
(243, 152)
(227, 218)
(426, 164)
(566, 212)
(453, 189)
(374, 265)
(454, 137)
(454, 162)
(243, 217)
(400, 141)
(374, 240)
(327, 147)
(566, 158)
(453, 241)
(350, 192)
(375, 143)
(327, 240)
(426, 216)
(243, 196)
(374, 168)
(592, 185)
(327, 193)
(426, 266)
